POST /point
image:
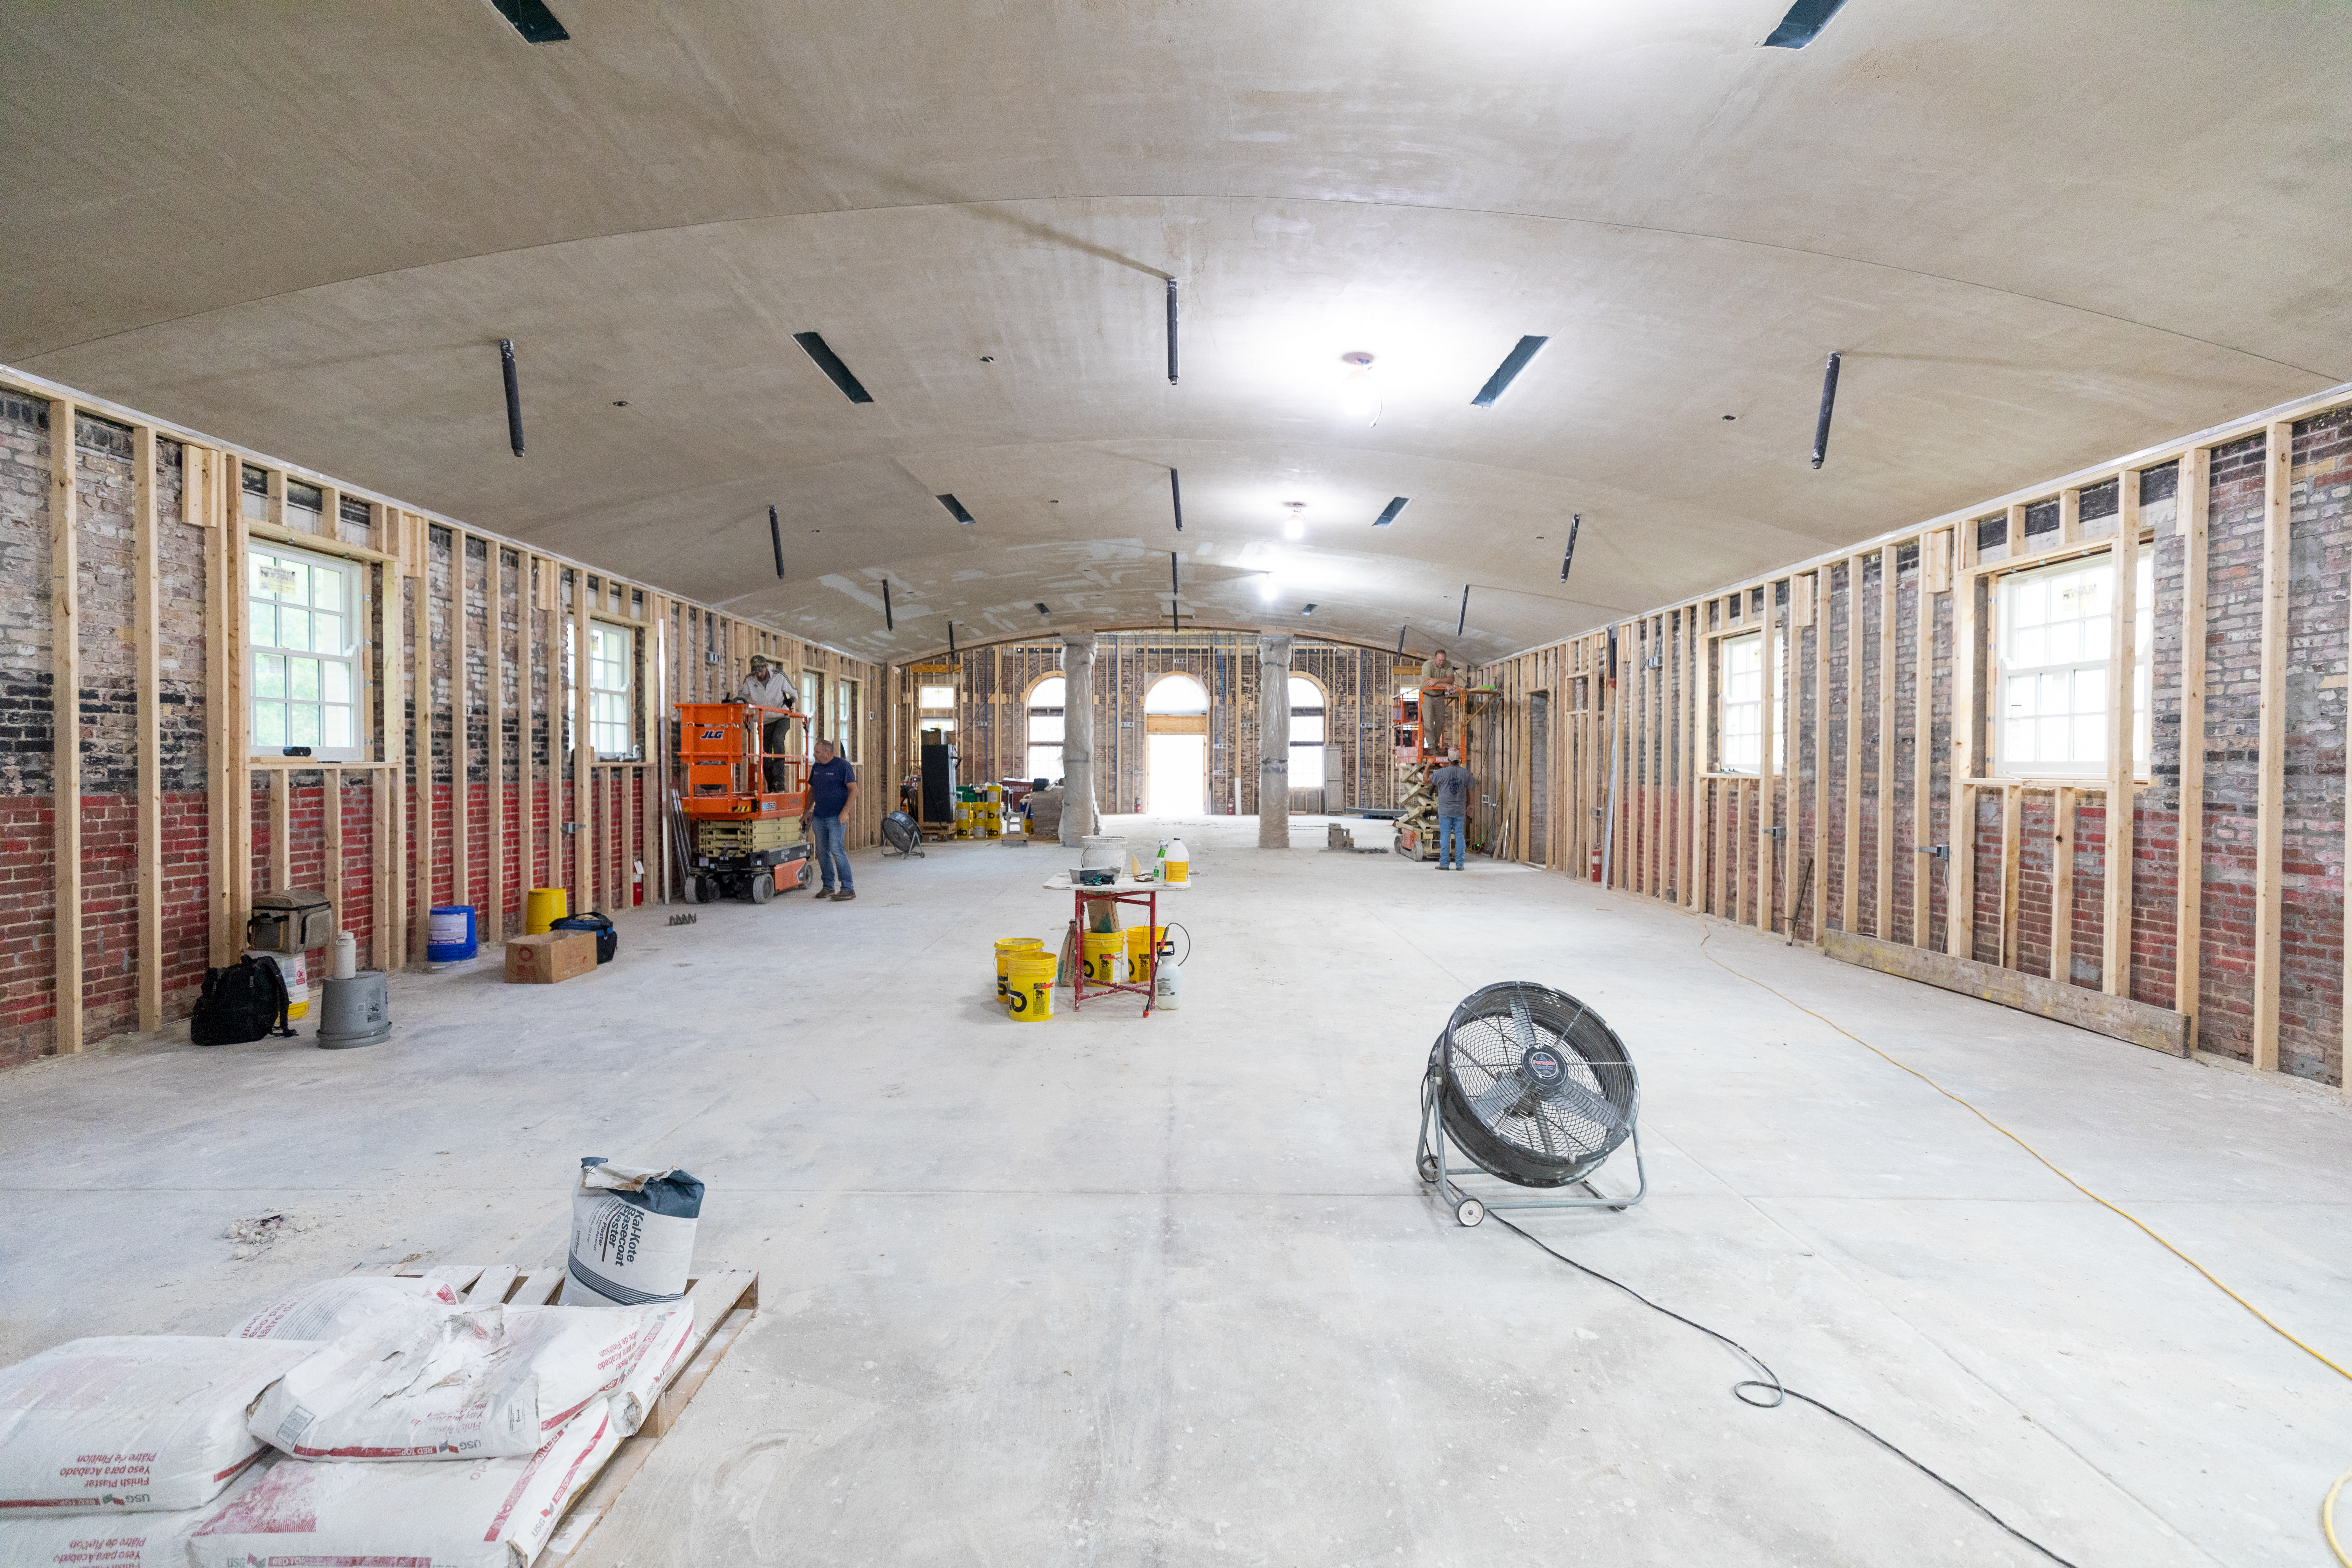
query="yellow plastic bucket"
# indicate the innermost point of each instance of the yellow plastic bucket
(543, 908)
(1142, 944)
(1007, 947)
(1105, 953)
(1029, 997)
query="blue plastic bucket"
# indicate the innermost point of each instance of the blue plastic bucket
(449, 935)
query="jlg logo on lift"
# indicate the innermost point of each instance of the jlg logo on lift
(714, 734)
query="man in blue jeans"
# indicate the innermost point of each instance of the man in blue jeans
(832, 785)
(1451, 786)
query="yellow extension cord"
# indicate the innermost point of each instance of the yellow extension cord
(2327, 1504)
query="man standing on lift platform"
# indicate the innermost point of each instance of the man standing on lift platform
(766, 687)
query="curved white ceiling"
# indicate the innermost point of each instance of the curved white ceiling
(2039, 235)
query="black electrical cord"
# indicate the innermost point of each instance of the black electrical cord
(1771, 1385)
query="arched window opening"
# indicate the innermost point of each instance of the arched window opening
(1176, 755)
(1044, 732)
(1307, 737)
(1176, 694)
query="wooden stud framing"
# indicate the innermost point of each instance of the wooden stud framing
(64, 708)
(1697, 669)
(421, 633)
(583, 756)
(1774, 665)
(1883, 920)
(2070, 515)
(2270, 809)
(2012, 802)
(331, 806)
(461, 731)
(1923, 758)
(2062, 885)
(281, 830)
(2191, 502)
(2123, 689)
(146, 625)
(392, 894)
(1960, 875)
(1850, 812)
(2016, 529)
(1818, 605)
(495, 601)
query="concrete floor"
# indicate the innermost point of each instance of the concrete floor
(1110, 1290)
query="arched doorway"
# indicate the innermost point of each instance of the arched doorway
(1307, 777)
(1042, 732)
(1176, 746)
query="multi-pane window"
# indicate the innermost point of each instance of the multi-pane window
(2056, 636)
(1305, 733)
(1046, 715)
(612, 717)
(845, 718)
(302, 615)
(1739, 739)
(812, 704)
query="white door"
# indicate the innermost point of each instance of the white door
(1177, 763)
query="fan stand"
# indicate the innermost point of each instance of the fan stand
(1430, 1162)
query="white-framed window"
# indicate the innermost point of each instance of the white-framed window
(942, 698)
(845, 718)
(1305, 733)
(812, 684)
(1740, 738)
(2056, 636)
(1045, 728)
(612, 707)
(303, 613)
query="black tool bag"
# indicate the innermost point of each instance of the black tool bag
(247, 1000)
(608, 941)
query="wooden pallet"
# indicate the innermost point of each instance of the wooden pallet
(723, 1303)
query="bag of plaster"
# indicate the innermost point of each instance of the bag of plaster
(333, 1307)
(483, 1513)
(464, 1383)
(110, 1537)
(141, 1424)
(665, 1347)
(632, 1235)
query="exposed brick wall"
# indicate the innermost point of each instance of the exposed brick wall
(2312, 948)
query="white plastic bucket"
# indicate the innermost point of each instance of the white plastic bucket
(1097, 850)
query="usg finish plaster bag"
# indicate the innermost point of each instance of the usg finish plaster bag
(664, 1342)
(135, 1423)
(632, 1235)
(110, 1538)
(451, 1383)
(484, 1513)
(333, 1307)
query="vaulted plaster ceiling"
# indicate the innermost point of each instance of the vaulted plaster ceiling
(2041, 234)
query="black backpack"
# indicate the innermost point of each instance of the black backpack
(247, 1000)
(608, 941)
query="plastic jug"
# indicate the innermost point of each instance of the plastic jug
(1177, 862)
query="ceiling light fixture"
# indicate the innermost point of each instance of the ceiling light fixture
(1294, 527)
(1509, 370)
(1360, 395)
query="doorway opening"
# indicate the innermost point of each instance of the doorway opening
(1176, 747)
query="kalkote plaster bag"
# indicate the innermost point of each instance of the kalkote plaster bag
(632, 1235)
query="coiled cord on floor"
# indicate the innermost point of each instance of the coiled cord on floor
(2327, 1505)
(1772, 1391)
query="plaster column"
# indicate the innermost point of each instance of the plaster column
(1272, 742)
(1078, 737)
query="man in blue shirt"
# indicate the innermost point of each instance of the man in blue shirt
(1452, 785)
(832, 785)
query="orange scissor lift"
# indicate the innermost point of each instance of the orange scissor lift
(740, 839)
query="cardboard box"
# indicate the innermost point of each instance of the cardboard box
(551, 956)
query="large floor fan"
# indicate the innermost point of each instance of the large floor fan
(1532, 1087)
(904, 836)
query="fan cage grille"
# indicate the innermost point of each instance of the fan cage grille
(1505, 1114)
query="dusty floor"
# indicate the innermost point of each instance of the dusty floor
(1111, 1290)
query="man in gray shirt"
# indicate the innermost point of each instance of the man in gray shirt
(1452, 785)
(767, 686)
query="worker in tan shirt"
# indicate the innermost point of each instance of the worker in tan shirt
(1439, 697)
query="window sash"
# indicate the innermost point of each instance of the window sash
(1740, 725)
(303, 643)
(611, 708)
(2051, 652)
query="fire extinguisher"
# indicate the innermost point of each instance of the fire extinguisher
(1596, 862)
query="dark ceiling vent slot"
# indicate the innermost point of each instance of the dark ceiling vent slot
(533, 20)
(1042, 609)
(1393, 510)
(1803, 23)
(830, 363)
(1507, 372)
(1309, 610)
(955, 508)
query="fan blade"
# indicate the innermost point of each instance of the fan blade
(1498, 1098)
(1570, 1092)
(1526, 1026)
